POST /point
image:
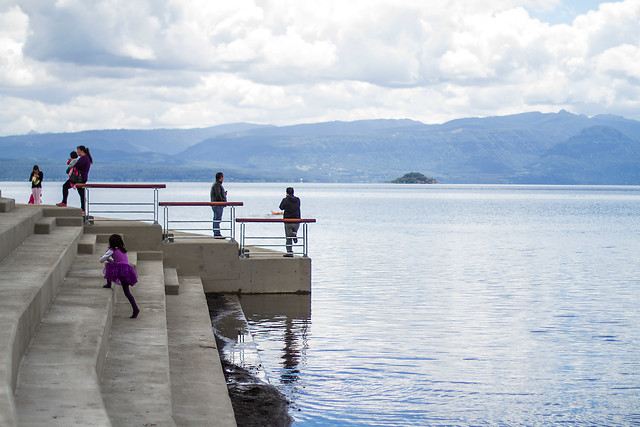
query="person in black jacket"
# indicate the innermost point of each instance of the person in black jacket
(36, 185)
(218, 194)
(291, 207)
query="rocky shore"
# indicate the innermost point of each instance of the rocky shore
(255, 402)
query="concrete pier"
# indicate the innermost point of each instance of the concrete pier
(70, 354)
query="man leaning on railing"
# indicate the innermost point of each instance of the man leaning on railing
(291, 207)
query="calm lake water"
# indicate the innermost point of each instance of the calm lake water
(451, 304)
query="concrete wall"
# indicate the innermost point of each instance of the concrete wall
(137, 236)
(215, 261)
(218, 265)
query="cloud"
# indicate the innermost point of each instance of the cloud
(73, 65)
(13, 69)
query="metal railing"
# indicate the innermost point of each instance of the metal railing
(150, 207)
(185, 225)
(300, 241)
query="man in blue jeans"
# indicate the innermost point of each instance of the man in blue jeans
(291, 207)
(218, 195)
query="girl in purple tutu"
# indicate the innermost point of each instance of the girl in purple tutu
(117, 269)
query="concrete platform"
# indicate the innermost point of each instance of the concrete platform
(198, 387)
(136, 385)
(216, 262)
(70, 354)
(27, 288)
(16, 226)
(59, 379)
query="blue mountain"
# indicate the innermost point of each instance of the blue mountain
(534, 147)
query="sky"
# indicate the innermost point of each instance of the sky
(73, 65)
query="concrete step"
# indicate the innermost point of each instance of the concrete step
(104, 237)
(150, 255)
(67, 354)
(66, 212)
(44, 225)
(30, 277)
(133, 258)
(136, 386)
(138, 236)
(87, 244)
(171, 284)
(69, 221)
(16, 226)
(198, 387)
(65, 217)
(7, 205)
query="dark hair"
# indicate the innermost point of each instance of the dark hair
(36, 167)
(290, 190)
(116, 242)
(73, 154)
(219, 175)
(86, 151)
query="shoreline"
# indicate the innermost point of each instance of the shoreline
(255, 401)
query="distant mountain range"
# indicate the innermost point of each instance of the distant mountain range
(528, 148)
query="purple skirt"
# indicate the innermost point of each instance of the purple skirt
(120, 273)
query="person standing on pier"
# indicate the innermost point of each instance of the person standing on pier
(218, 194)
(36, 185)
(82, 166)
(291, 207)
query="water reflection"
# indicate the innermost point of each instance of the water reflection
(280, 325)
(232, 334)
(255, 400)
(281, 334)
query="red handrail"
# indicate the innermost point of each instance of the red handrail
(290, 240)
(121, 185)
(201, 204)
(294, 220)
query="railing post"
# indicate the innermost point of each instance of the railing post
(233, 223)
(155, 205)
(88, 203)
(165, 225)
(301, 248)
(242, 235)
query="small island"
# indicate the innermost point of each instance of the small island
(414, 178)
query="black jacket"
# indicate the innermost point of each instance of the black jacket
(217, 192)
(291, 207)
(38, 183)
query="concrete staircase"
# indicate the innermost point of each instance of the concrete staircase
(70, 354)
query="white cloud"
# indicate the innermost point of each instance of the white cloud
(13, 70)
(620, 62)
(182, 63)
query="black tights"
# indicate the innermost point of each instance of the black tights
(65, 193)
(132, 300)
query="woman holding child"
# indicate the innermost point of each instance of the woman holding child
(82, 166)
